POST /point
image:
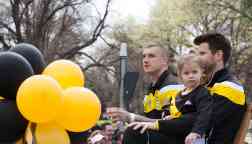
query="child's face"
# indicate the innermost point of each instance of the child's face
(191, 75)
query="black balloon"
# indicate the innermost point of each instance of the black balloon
(32, 54)
(14, 69)
(12, 123)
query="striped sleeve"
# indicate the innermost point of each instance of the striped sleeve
(231, 90)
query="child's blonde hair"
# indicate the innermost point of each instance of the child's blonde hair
(191, 59)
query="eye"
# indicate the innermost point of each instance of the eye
(194, 71)
(202, 53)
(151, 55)
(186, 73)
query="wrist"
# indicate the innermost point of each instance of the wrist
(156, 125)
(132, 117)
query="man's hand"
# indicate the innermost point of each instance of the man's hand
(191, 138)
(143, 126)
(118, 114)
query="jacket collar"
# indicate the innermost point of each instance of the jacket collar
(159, 83)
(219, 76)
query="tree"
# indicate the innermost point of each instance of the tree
(177, 23)
(56, 27)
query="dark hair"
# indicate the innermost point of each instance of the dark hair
(216, 42)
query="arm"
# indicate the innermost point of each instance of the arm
(178, 126)
(140, 118)
(119, 114)
(203, 101)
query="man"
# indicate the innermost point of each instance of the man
(228, 95)
(163, 85)
(155, 65)
(108, 130)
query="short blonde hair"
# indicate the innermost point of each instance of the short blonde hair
(164, 49)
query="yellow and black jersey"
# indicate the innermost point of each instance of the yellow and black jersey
(161, 97)
(158, 95)
(229, 105)
(196, 103)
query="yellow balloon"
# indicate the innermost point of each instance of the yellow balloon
(67, 73)
(39, 98)
(80, 110)
(51, 133)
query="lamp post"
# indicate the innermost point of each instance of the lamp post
(123, 70)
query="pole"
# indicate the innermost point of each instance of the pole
(123, 70)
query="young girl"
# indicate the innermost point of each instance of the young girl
(189, 111)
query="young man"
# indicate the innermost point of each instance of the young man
(155, 65)
(228, 95)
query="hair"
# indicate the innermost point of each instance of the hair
(188, 59)
(164, 49)
(216, 42)
(191, 59)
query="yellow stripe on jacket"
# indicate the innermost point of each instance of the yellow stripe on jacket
(230, 90)
(174, 112)
(161, 97)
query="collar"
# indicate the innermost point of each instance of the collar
(219, 76)
(159, 82)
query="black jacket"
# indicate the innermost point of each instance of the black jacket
(155, 101)
(195, 108)
(228, 107)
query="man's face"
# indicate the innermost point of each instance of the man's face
(109, 131)
(206, 56)
(153, 60)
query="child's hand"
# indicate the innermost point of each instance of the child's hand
(191, 138)
(169, 117)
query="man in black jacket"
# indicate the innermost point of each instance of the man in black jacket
(228, 95)
(163, 83)
(155, 65)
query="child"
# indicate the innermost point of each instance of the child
(189, 111)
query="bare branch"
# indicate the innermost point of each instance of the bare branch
(6, 46)
(233, 8)
(16, 18)
(97, 65)
(27, 4)
(98, 29)
(66, 4)
(86, 55)
(6, 26)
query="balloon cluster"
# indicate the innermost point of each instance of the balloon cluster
(52, 97)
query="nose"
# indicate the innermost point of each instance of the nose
(145, 60)
(191, 76)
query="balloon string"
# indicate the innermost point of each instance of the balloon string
(33, 128)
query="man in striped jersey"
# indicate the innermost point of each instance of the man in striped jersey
(155, 65)
(163, 85)
(229, 99)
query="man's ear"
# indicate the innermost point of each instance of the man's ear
(219, 55)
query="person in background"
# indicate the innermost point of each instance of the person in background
(97, 137)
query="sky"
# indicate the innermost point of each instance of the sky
(139, 9)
